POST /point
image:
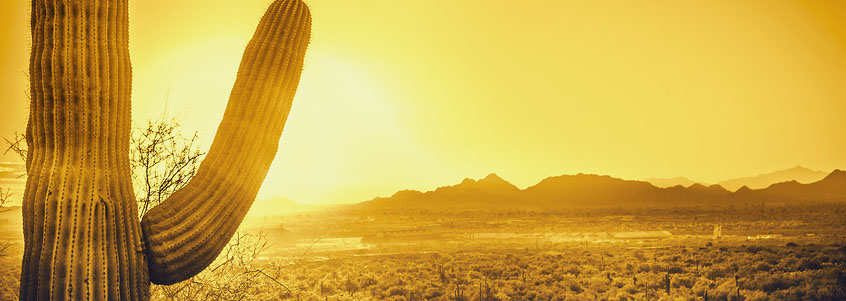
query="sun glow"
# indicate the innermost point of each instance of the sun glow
(343, 122)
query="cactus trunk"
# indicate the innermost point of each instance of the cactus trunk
(82, 236)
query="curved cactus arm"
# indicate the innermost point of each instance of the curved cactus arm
(187, 231)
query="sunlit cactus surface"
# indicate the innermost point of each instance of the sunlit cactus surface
(82, 236)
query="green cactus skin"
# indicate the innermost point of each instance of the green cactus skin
(81, 232)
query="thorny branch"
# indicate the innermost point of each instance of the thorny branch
(168, 160)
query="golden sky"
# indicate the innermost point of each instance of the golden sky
(420, 94)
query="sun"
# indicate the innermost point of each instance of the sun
(341, 125)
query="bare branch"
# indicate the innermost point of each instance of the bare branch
(5, 194)
(5, 245)
(17, 145)
(162, 161)
(235, 274)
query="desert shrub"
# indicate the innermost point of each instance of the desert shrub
(433, 292)
(588, 270)
(763, 267)
(755, 249)
(769, 258)
(396, 291)
(686, 281)
(572, 270)
(644, 267)
(575, 287)
(630, 288)
(623, 295)
(806, 264)
(774, 282)
(719, 271)
(597, 284)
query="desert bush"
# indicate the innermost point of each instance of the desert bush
(396, 291)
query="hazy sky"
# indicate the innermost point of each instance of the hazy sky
(420, 94)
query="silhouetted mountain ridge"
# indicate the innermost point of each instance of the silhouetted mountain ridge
(589, 190)
(491, 191)
(670, 182)
(799, 174)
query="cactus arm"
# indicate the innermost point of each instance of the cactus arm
(81, 235)
(188, 230)
(82, 239)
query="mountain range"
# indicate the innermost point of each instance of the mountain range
(792, 185)
(588, 190)
(670, 182)
(798, 173)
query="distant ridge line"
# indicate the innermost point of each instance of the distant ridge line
(590, 190)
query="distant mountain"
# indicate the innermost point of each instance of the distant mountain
(832, 188)
(798, 173)
(491, 191)
(590, 190)
(586, 190)
(670, 182)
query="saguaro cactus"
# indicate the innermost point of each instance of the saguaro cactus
(82, 236)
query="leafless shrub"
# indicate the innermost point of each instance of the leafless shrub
(17, 145)
(4, 198)
(236, 274)
(5, 194)
(4, 246)
(162, 161)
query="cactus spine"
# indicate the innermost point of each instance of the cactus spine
(82, 236)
